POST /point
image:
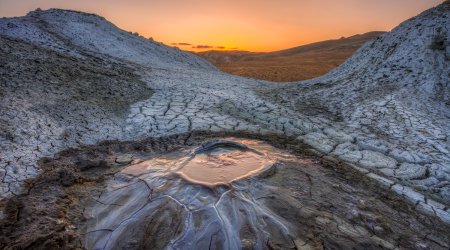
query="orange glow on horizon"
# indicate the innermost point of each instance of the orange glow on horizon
(253, 25)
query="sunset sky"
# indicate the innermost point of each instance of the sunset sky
(255, 25)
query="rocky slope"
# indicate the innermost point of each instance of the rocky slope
(68, 79)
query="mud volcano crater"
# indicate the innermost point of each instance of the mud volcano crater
(224, 161)
(210, 191)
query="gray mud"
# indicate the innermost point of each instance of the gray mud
(85, 198)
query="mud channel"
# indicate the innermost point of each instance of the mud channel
(210, 191)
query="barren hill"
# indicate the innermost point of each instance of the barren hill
(77, 34)
(294, 64)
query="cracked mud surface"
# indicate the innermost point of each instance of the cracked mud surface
(303, 201)
(57, 101)
(69, 79)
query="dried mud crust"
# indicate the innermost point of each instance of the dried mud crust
(89, 81)
(338, 206)
(51, 100)
(384, 110)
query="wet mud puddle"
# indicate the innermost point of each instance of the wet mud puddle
(225, 161)
(231, 193)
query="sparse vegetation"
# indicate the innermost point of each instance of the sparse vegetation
(294, 64)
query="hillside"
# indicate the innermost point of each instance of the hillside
(294, 64)
(78, 34)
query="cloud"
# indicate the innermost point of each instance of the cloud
(182, 44)
(202, 47)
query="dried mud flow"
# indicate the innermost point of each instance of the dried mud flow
(128, 195)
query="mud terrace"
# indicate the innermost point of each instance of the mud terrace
(69, 79)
